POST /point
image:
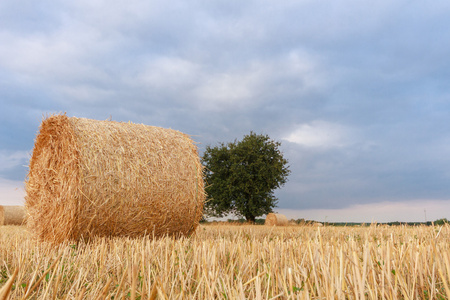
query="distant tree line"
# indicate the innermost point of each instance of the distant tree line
(349, 224)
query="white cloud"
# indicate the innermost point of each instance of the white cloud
(303, 66)
(320, 134)
(227, 91)
(258, 81)
(53, 56)
(11, 192)
(12, 159)
(170, 73)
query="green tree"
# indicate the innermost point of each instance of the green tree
(241, 176)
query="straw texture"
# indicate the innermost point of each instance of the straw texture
(276, 220)
(103, 178)
(12, 215)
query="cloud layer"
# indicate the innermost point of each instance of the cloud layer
(357, 93)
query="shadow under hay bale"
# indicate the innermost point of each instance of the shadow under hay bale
(276, 220)
(12, 215)
(103, 178)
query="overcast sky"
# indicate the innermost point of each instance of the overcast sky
(357, 92)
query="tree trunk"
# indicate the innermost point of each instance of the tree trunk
(250, 219)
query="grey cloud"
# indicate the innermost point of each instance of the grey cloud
(218, 70)
(28, 17)
(13, 165)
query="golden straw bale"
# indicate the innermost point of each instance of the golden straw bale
(276, 220)
(12, 215)
(104, 178)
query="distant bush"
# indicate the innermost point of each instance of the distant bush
(441, 221)
(298, 221)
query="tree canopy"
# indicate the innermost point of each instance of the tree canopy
(242, 176)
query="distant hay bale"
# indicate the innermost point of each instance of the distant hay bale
(276, 220)
(103, 178)
(12, 215)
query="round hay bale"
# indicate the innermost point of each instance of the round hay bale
(103, 178)
(276, 220)
(12, 215)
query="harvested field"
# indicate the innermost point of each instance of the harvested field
(235, 262)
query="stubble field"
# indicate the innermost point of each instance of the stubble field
(234, 262)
